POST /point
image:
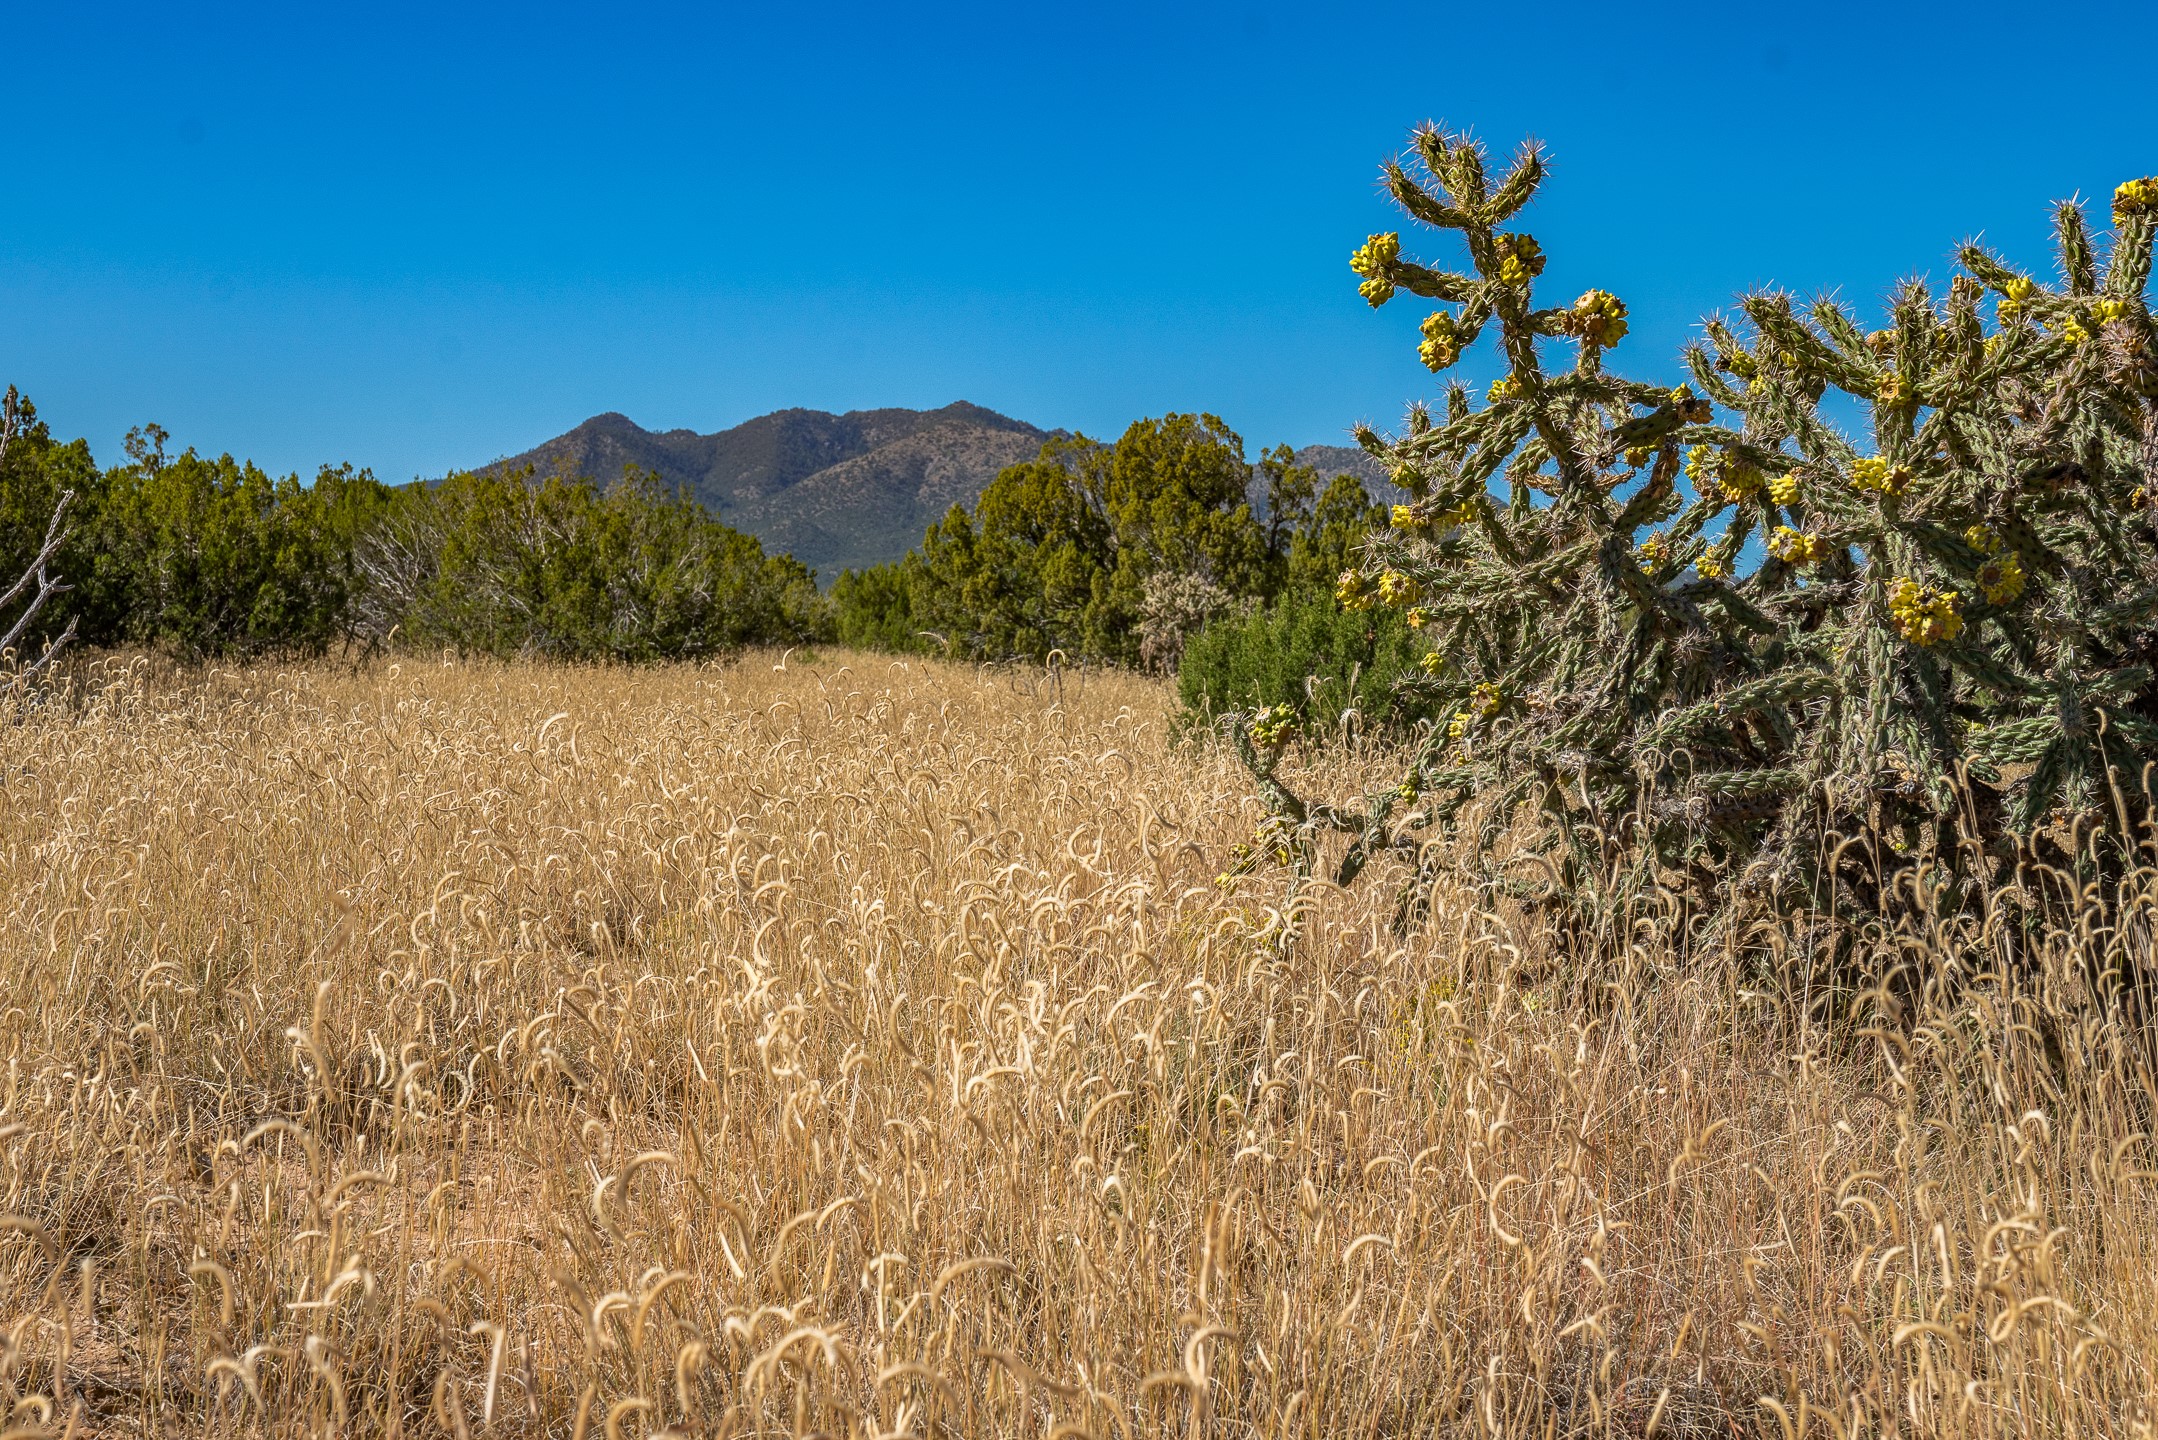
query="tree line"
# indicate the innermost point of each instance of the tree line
(1165, 550)
(214, 557)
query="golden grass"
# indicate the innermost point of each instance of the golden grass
(863, 1048)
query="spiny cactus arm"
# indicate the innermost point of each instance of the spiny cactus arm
(1995, 673)
(1953, 550)
(2042, 787)
(1458, 163)
(1703, 367)
(1830, 349)
(1279, 798)
(1420, 202)
(2079, 266)
(1990, 269)
(2014, 742)
(1934, 714)
(2134, 611)
(1519, 187)
(2128, 267)
(1689, 724)
(1436, 285)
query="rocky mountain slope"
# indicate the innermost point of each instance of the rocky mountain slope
(836, 491)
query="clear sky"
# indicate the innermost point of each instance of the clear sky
(415, 237)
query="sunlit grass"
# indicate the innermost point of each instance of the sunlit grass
(864, 1047)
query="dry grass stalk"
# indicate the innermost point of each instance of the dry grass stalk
(863, 1048)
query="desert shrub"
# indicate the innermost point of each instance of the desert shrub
(36, 472)
(1945, 652)
(1174, 606)
(216, 557)
(1306, 653)
(874, 609)
(510, 564)
(1112, 552)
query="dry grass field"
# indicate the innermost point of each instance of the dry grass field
(864, 1048)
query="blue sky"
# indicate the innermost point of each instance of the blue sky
(414, 237)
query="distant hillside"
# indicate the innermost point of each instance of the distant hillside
(839, 491)
(1332, 460)
(836, 491)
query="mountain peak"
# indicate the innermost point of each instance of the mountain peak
(836, 491)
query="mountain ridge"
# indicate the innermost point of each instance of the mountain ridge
(837, 491)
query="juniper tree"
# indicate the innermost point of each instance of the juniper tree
(1943, 642)
(37, 585)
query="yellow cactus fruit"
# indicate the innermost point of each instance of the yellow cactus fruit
(2014, 296)
(1796, 548)
(1273, 726)
(2000, 579)
(1396, 588)
(1923, 615)
(1441, 346)
(2135, 197)
(1375, 261)
(1521, 259)
(1872, 472)
(1599, 317)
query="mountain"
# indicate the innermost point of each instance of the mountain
(836, 491)
(839, 491)
(1332, 460)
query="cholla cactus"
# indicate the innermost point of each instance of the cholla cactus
(1971, 593)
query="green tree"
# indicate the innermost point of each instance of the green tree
(1331, 537)
(1176, 504)
(1019, 576)
(510, 564)
(35, 471)
(1114, 552)
(875, 607)
(215, 557)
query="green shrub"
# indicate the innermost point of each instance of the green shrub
(875, 608)
(1307, 653)
(504, 564)
(214, 556)
(1116, 553)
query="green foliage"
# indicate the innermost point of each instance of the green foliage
(1022, 576)
(214, 557)
(507, 564)
(1331, 536)
(1307, 655)
(1971, 595)
(874, 608)
(35, 471)
(1176, 505)
(1118, 553)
